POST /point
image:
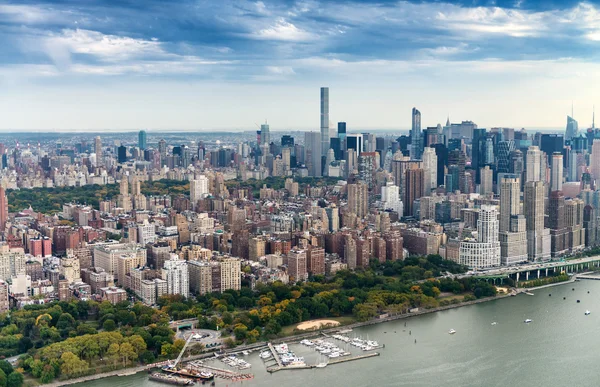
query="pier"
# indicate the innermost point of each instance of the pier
(275, 355)
(337, 361)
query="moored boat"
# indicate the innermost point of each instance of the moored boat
(188, 373)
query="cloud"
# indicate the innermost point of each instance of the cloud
(283, 30)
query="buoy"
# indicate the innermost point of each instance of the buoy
(578, 301)
(564, 298)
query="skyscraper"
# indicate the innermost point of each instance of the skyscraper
(416, 137)
(324, 121)
(414, 179)
(487, 181)
(390, 198)
(430, 167)
(533, 164)
(538, 237)
(98, 151)
(312, 153)
(358, 199)
(265, 134)
(198, 189)
(513, 228)
(478, 151)
(595, 160)
(142, 139)
(485, 252)
(557, 172)
(556, 223)
(572, 128)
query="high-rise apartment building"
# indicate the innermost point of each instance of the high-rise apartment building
(390, 198)
(297, 268)
(324, 122)
(533, 164)
(538, 237)
(416, 137)
(312, 153)
(175, 272)
(414, 185)
(198, 189)
(98, 151)
(485, 251)
(358, 199)
(430, 169)
(556, 177)
(556, 224)
(487, 180)
(513, 228)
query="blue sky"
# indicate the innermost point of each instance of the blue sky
(204, 65)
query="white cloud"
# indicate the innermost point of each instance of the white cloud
(283, 30)
(281, 70)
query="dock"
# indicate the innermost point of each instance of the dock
(337, 361)
(275, 355)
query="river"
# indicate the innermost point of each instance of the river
(560, 347)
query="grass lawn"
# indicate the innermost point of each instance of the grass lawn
(458, 297)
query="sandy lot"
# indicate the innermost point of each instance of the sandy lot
(316, 324)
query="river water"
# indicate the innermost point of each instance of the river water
(560, 347)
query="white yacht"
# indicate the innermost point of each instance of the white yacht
(527, 321)
(587, 312)
(451, 331)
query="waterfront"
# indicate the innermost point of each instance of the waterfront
(560, 347)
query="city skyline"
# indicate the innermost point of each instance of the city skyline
(85, 67)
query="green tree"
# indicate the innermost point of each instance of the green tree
(72, 365)
(109, 325)
(15, 379)
(48, 374)
(6, 367)
(127, 353)
(113, 353)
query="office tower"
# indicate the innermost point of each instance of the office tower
(341, 130)
(504, 150)
(513, 228)
(416, 137)
(121, 154)
(287, 141)
(538, 237)
(265, 134)
(142, 139)
(441, 151)
(355, 141)
(557, 172)
(533, 164)
(572, 130)
(595, 160)
(162, 147)
(390, 198)
(312, 153)
(198, 189)
(414, 184)
(358, 199)
(485, 251)
(556, 224)
(351, 162)
(297, 269)
(478, 146)
(175, 272)
(487, 181)
(457, 158)
(98, 151)
(324, 121)
(517, 165)
(286, 156)
(551, 143)
(430, 169)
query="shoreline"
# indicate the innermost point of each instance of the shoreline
(300, 336)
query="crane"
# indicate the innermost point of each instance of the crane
(182, 351)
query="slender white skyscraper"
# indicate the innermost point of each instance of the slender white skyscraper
(430, 166)
(198, 189)
(557, 172)
(324, 120)
(390, 198)
(416, 135)
(532, 169)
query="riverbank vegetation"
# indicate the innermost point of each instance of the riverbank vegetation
(544, 281)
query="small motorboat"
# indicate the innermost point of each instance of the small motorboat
(321, 365)
(587, 312)
(527, 321)
(451, 331)
(494, 323)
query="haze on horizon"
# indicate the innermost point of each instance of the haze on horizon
(196, 65)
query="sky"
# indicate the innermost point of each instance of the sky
(232, 64)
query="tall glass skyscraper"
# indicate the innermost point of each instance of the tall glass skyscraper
(416, 137)
(324, 120)
(142, 139)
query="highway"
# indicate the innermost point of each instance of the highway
(508, 270)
